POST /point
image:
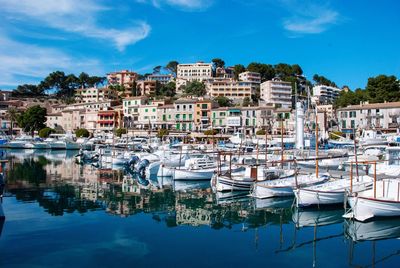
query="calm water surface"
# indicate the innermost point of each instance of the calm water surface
(61, 214)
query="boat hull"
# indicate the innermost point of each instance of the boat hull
(224, 183)
(366, 208)
(307, 197)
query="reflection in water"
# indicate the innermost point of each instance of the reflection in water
(62, 188)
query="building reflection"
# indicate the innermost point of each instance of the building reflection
(61, 186)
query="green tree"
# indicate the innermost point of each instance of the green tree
(64, 85)
(246, 101)
(237, 69)
(32, 119)
(172, 67)
(28, 90)
(321, 80)
(383, 88)
(266, 71)
(45, 132)
(157, 69)
(12, 115)
(223, 101)
(195, 88)
(167, 90)
(218, 63)
(82, 132)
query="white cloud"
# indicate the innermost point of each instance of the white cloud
(33, 62)
(188, 5)
(308, 17)
(74, 16)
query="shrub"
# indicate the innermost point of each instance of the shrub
(82, 132)
(45, 132)
(260, 132)
(162, 132)
(119, 132)
(210, 132)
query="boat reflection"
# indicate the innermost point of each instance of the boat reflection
(373, 230)
(2, 218)
(316, 217)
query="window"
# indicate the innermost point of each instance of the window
(352, 123)
(146, 110)
(184, 116)
(204, 106)
(343, 123)
(190, 116)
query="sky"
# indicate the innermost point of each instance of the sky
(345, 41)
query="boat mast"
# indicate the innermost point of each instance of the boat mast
(316, 142)
(282, 145)
(355, 151)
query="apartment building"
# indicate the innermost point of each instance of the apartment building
(202, 113)
(148, 114)
(222, 72)
(383, 116)
(325, 94)
(165, 116)
(130, 106)
(265, 116)
(161, 78)
(89, 95)
(250, 77)
(277, 93)
(110, 119)
(219, 117)
(146, 87)
(249, 119)
(124, 78)
(230, 88)
(199, 71)
(184, 114)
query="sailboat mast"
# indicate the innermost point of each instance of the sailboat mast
(316, 143)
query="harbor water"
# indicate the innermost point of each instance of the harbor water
(61, 214)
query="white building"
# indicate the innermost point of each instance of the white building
(250, 77)
(199, 71)
(162, 78)
(384, 116)
(93, 94)
(277, 93)
(325, 94)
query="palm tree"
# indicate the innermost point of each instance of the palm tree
(12, 115)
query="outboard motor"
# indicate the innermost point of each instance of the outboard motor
(141, 167)
(134, 159)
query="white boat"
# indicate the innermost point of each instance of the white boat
(285, 187)
(372, 137)
(331, 192)
(383, 200)
(200, 168)
(245, 181)
(23, 142)
(57, 145)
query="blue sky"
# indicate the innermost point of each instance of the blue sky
(346, 41)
